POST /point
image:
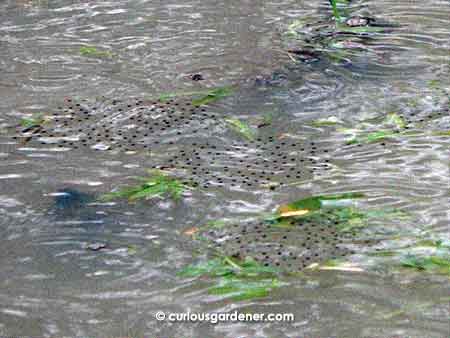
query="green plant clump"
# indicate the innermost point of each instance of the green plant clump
(433, 263)
(201, 97)
(158, 185)
(213, 95)
(238, 280)
(35, 120)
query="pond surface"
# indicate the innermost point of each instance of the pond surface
(78, 267)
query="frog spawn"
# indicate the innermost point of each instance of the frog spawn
(291, 247)
(266, 163)
(129, 125)
(435, 120)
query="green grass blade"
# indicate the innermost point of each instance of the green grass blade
(242, 128)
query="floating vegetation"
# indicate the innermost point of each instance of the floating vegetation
(238, 280)
(395, 120)
(318, 202)
(433, 263)
(330, 121)
(242, 128)
(387, 127)
(92, 51)
(158, 185)
(391, 126)
(36, 120)
(201, 97)
(213, 95)
(432, 256)
(327, 228)
(442, 133)
(336, 14)
(427, 255)
(343, 42)
(372, 137)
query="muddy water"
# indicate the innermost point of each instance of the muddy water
(52, 285)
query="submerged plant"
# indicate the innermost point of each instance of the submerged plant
(35, 120)
(241, 127)
(372, 137)
(315, 203)
(432, 263)
(237, 280)
(94, 52)
(213, 95)
(335, 9)
(201, 97)
(392, 125)
(330, 121)
(429, 255)
(157, 185)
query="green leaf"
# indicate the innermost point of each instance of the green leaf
(203, 96)
(92, 51)
(252, 268)
(349, 219)
(317, 202)
(242, 289)
(330, 121)
(213, 95)
(396, 120)
(442, 133)
(433, 263)
(335, 10)
(239, 279)
(371, 137)
(227, 265)
(214, 267)
(35, 120)
(157, 185)
(434, 84)
(384, 253)
(242, 128)
(379, 135)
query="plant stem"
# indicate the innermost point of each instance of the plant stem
(233, 264)
(336, 14)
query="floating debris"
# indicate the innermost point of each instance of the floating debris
(358, 21)
(344, 41)
(71, 203)
(197, 77)
(96, 246)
